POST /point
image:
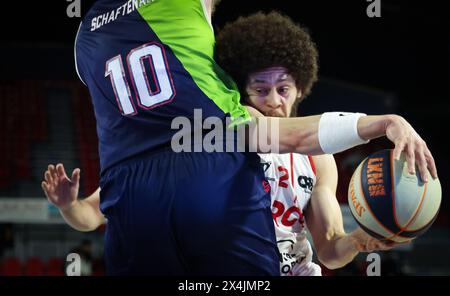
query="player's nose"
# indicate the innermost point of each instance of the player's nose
(273, 99)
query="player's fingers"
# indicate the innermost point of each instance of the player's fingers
(61, 172)
(410, 158)
(76, 176)
(422, 165)
(47, 189)
(45, 186)
(52, 170)
(384, 246)
(369, 245)
(399, 146)
(48, 177)
(54, 178)
(369, 249)
(403, 243)
(430, 163)
(360, 247)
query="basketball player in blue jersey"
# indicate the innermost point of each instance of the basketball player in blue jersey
(182, 213)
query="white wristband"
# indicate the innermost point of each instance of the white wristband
(338, 131)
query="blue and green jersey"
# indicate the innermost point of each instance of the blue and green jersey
(146, 62)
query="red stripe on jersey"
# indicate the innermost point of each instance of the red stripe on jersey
(313, 166)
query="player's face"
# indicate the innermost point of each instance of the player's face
(272, 91)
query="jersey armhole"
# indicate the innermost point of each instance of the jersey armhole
(75, 54)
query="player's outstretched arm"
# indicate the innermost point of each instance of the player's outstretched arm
(80, 214)
(332, 133)
(334, 247)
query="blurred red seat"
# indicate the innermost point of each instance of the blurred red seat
(98, 268)
(55, 267)
(34, 267)
(12, 267)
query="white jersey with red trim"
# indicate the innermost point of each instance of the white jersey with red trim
(292, 178)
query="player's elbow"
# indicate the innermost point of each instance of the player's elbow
(88, 225)
(327, 259)
(85, 227)
(330, 262)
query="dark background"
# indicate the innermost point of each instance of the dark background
(405, 52)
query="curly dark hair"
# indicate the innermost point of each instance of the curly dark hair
(214, 5)
(259, 41)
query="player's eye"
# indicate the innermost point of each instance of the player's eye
(260, 91)
(283, 90)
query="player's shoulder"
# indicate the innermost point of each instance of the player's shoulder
(323, 160)
(325, 166)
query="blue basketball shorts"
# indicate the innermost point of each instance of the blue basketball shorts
(189, 214)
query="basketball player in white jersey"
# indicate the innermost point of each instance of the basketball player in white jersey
(303, 188)
(303, 191)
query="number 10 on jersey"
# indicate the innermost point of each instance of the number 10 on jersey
(146, 98)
